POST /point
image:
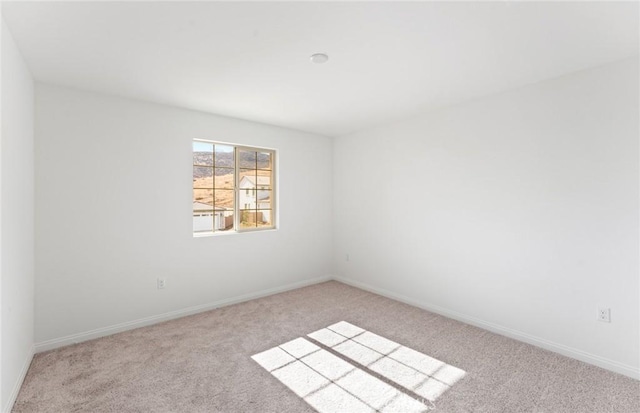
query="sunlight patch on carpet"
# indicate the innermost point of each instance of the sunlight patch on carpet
(330, 383)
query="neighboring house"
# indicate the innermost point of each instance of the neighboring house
(256, 195)
(208, 218)
(252, 196)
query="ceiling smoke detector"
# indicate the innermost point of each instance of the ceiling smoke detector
(319, 58)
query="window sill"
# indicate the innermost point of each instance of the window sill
(225, 233)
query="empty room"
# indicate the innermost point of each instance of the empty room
(331, 207)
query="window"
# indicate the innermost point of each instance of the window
(233, 188)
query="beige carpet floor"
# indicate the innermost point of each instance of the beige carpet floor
(203, 363)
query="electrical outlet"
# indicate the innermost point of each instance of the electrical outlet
(604, 314)
(346, 257)
(162, 282)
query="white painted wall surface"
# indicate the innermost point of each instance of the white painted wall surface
(518, 211)
(103, 162)
(17, 219)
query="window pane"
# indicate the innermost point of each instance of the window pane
(264, 180)
(249, 173)
(264, 160)
(202, 177)
(203, 210)
(224, 178)
(251, 178)
(247, 189)
(202, 153)
(203, 197)
(224, 220)
(246, 159)
(224, 156)
(202, 171)
(247, 180)
(224, 198)
(248, 218)
(203, 221)
(247, 199)
(224, 207)
(251, 218)
(264, 218)
(264, 200)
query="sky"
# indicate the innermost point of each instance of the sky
(208, 147)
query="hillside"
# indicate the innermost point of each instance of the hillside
(225, 160)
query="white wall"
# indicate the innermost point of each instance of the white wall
(517, 212)
(16, 220)
(114, 213)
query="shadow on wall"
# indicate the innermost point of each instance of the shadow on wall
(412, 381)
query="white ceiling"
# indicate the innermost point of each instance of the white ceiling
(251, 60)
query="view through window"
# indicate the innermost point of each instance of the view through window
(233, 188)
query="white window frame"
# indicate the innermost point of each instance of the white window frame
(236, 204)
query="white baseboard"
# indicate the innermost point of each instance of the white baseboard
(18, 384)
(577, 354)
(142, 322)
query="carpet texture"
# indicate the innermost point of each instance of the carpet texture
(202, 363)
